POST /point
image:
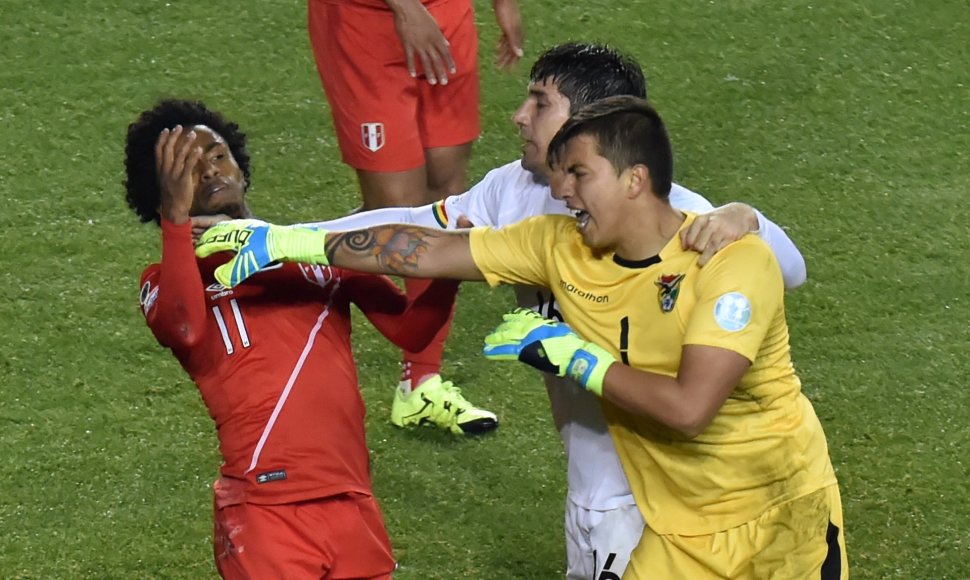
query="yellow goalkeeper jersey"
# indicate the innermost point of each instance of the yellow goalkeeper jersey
(764, 447)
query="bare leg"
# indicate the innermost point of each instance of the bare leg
(447, 169)
(396, 189)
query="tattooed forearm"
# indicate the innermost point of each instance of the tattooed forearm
(391, 249)
(360, 241)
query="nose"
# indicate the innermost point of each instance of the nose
(208, 169)
(561, 184)
(519, 117)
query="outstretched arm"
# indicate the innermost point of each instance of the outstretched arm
(392, 249)
(428, 216)
(405, 251)
(432, 215)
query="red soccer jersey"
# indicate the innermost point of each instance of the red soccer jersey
(273, 362)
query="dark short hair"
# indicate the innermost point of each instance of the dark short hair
(141, 178)
(628, 132)
(584, 72)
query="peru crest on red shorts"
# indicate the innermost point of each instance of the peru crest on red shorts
(372, 134)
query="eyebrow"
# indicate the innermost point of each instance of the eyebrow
(538, 93)
(212, 146)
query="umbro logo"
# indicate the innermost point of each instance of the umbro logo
(218, 291)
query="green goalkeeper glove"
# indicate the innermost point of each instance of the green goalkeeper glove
(258, 244)
(549, 346)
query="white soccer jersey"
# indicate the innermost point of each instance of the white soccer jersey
(507, 195)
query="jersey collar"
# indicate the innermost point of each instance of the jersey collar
(673, 246)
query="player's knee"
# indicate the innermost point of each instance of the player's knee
(443, 183)
(454, 186)
(404, 189)
(447, 169)
(410, 198)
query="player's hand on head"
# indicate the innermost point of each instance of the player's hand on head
(422, 38)
(711, 232)
(176, 157)
(510, 42)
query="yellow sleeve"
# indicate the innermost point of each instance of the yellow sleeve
(516, 254)
(739, 293)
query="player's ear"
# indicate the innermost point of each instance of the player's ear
(638, 180)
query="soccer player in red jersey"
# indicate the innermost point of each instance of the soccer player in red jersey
(272, 361)
(401, 78)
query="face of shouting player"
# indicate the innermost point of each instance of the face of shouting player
(592, 189)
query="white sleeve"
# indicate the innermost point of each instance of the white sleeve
(686, 200)
(426, 215)
(789, 258)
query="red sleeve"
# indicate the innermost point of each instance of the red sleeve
(172, 295)
(409, 325)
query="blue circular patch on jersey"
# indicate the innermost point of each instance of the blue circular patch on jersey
(732, 311)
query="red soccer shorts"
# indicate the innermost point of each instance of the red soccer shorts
(331, 538)
(384, 119)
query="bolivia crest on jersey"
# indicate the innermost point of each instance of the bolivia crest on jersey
(669, 290)
(372, 134)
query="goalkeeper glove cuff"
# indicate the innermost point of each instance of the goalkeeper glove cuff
(299, 244)
(588, 367)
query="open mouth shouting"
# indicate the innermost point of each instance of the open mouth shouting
(582, 219)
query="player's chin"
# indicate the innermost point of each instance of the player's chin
(234, 209)
(226, 201)
(530, 161)
(591, 239)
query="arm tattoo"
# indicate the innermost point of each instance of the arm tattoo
(397, 249)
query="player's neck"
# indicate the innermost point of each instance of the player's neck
(648, 232)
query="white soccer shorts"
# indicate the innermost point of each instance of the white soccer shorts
(599, 543)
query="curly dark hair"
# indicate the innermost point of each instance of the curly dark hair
(141, 179)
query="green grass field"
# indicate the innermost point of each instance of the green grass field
(848, 122)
